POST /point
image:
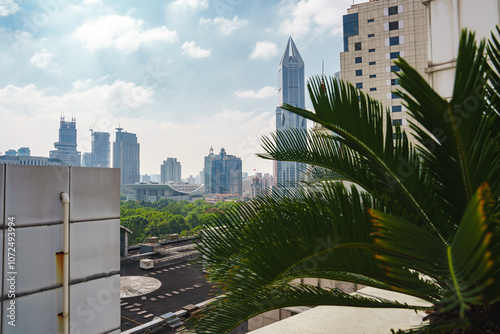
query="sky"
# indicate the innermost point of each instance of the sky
(184, 75)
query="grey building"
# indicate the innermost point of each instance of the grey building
(100, 149)
(223, 173)
(66, 146)
(24, 152)
(126, 153)
(87, 159)
(31, 204)
(291, 90)
(29, 161)
(170, 170)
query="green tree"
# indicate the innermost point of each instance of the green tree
(177, 223)
(425, 222)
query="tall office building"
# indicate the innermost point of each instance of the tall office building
(87, 159)
(100, 149)
(223, 173)
(375, 34)
(66, 146)
(291, 90)
(126, 152)
(171, 170)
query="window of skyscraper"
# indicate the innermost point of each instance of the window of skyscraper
(357, 46)
(351, 28)
(397, 108)
(393, 25)
(371, 50)
(359, 73)
(393, 10)
(394, 136)
(394, 82)
(394, 95)
(370, 20)
(359, 85)
(373, 75)
(394, 40)
(394, 55)
(372, 63)
(397, 122)
(358, 60)
(395, 68)
(373, 89)
(371, 35)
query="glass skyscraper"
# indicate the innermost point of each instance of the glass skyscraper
(126, 156)
(223, 173)
(100, 149)
(291, 90)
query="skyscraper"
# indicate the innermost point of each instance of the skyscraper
(291, 90)
(66, 146)
(100, 149)
(126, 152)
(375, 34)
(171, 170)
(223, 173)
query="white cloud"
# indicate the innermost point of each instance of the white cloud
(42, 59)
(237, 131)
(322, 15)
(8, 7)
(191, 50)
(182, 5)
(121, 32)
(225, 26)
(264, 50)
(262, 93)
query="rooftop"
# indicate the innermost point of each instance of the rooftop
(181, 283)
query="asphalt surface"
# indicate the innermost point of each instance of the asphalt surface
(182, 283)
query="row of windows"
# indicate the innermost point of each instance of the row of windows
(359, 60)
(359, 85)
(357, 47)
(394, 68)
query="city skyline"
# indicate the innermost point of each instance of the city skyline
(169, 72)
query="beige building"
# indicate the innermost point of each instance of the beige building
(446, 20)
(375, 34)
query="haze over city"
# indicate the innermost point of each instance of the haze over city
(183, 75)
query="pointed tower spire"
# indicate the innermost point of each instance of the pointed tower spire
(291, 54)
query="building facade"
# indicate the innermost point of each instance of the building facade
(170, 170)
(66, 146)
(291, 90)
(446, 19)
(126, 156)
(100, 149)
(376, 33)
(30, 161)
(223, 173)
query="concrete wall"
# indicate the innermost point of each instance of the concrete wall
(29, 197)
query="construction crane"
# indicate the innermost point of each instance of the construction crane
(92, 128)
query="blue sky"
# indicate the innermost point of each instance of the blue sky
(183, 75)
